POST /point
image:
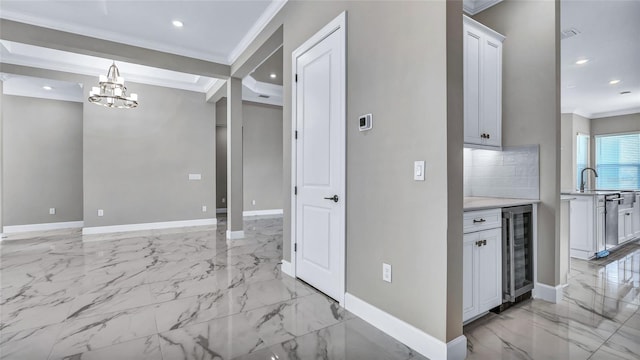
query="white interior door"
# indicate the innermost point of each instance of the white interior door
(320, 162)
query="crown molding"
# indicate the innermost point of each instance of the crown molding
(635, 110)
(473, 7)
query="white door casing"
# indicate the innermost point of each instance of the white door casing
(318, 159)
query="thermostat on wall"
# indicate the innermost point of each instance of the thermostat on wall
(365, 122)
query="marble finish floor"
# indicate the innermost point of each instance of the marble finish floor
(173, 294)
(598, 318)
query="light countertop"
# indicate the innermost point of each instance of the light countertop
(481, 203)
(594, 192)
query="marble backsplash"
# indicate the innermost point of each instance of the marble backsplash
(513, 172)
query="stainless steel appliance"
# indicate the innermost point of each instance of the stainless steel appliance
(612, 202)
(517, 252)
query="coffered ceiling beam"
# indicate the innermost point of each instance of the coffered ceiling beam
(80, 44)
(241, 68)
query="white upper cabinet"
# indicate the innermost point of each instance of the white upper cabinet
(482, 85)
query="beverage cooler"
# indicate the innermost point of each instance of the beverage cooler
(517, 252)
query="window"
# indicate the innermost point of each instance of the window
(618, 161)
(582, 156)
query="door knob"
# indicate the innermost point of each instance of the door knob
(334, 198)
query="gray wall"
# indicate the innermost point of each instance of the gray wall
(1, 157)
(136, 162)
(221, 167)
(221, 153)
(402, 79)
(615, 124)
(262, 156)
(566, 152)
(531, 106)
(42, 146)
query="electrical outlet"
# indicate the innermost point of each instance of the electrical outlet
(100, 212)
(253, 202)
(52, 211)
(386, 272)
(204, 208)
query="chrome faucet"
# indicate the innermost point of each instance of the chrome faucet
(582, 177)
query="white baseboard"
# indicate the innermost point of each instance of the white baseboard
(262, 212)
(457, 348)
(406, 333)
(552, 294)
(221, 210)
(42, 227)
(287, 268)
(235, 234)
(147, 226)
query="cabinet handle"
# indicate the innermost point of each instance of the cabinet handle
(488, 136)
(484, 242)
(481, 242)
(483, 136)
(475, 221)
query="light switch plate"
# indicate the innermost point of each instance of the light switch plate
(386, 272)
(195, 176)
(52, 211)
(204, 208)
(418, 170)
(100, 212)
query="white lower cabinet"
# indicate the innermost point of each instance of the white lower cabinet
(625, 225)
(482, 272)
(587, 235)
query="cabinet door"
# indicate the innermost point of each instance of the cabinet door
(628, 224)
(622, 234)
(489, 269)
(581, 226)
(600, 235)
(471, 74)
(469, 266)
(491, 108)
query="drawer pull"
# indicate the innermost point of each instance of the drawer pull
(475, 221)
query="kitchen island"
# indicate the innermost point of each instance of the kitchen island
(602, 220)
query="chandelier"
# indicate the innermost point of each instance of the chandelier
(112, 92)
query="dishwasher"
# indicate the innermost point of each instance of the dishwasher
(517, 252)
(612, 203)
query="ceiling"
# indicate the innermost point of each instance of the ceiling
(609, 36)
(214, 30)
(272, 65)
(19, 85)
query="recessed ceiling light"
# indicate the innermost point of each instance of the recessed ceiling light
(625, 92)
(613, 82)
(47, 87)
(582, 61)
(177, 23)
(273, 76)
